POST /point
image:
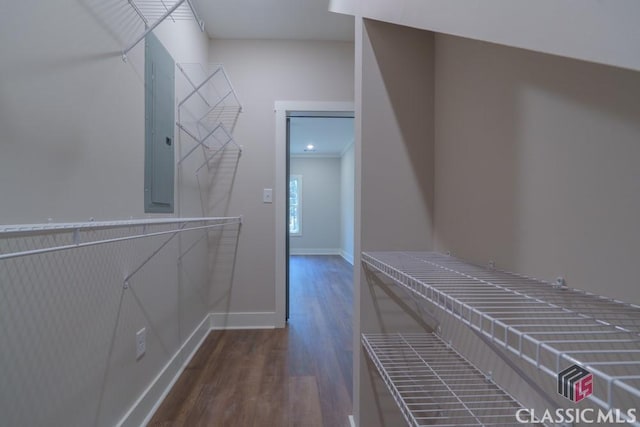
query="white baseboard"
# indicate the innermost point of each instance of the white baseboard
(347, 257)
(143, 409)
(352, 421)
(258, 320)
(314, 251)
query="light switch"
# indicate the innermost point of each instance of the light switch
(267, 195)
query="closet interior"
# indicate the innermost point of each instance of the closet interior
(484, 244)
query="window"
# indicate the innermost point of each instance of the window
(295, 205)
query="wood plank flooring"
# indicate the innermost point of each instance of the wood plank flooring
(297, 376)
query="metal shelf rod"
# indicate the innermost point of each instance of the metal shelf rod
(139, 12)
(199, 142)
(235, 95)
(215, 153)
(13, 230)
(193, 85)
(216, 104)
(195, 15)
(197, 88)
(229, 221)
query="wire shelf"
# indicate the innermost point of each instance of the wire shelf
(549, 326)
(434, 385)
(24, 240)
(211, 101)
(153, 12)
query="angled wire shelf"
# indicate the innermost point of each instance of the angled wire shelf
(153, 12)
(207, 112)
(547, 325)
(210, 100)
(434, 385)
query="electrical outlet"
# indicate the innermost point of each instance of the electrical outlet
(141, 343)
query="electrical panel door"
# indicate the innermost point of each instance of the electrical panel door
(159, 127)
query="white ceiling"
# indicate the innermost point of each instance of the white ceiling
(329, 135)
(274, 19)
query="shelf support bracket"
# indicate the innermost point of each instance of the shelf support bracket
(197, 88)
(195, 15)
(193, 85)
(200, 141)
(139, 12)
(166, 242)
(151, 28)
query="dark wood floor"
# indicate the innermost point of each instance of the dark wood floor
(297, 376)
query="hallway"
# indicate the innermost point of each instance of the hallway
(297, 376)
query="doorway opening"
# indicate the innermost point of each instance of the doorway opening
(320, 185)
(315, 214)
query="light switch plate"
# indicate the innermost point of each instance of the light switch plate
(267, 195)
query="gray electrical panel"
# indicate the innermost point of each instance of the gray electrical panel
(159, 169)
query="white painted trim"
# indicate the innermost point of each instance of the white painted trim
(143, 409)
(348, 146)
(347, 257)
(147, 404)
(249, 320)
(352, 421)
(315, 251)
(281, 108)
(316, 156)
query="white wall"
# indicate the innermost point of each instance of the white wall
(72, 134)
(536, 164)
(321, 206)
(263, 72)
(603, 31)
(347, 203)
(395, 200)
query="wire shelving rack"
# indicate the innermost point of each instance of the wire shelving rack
(84, 234)
(434, 385)
(210, 102)
(547, 325)
(208, 112)
(153, 12)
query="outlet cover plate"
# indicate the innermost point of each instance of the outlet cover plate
(141, 343)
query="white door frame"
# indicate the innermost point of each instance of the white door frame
(282, 109)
